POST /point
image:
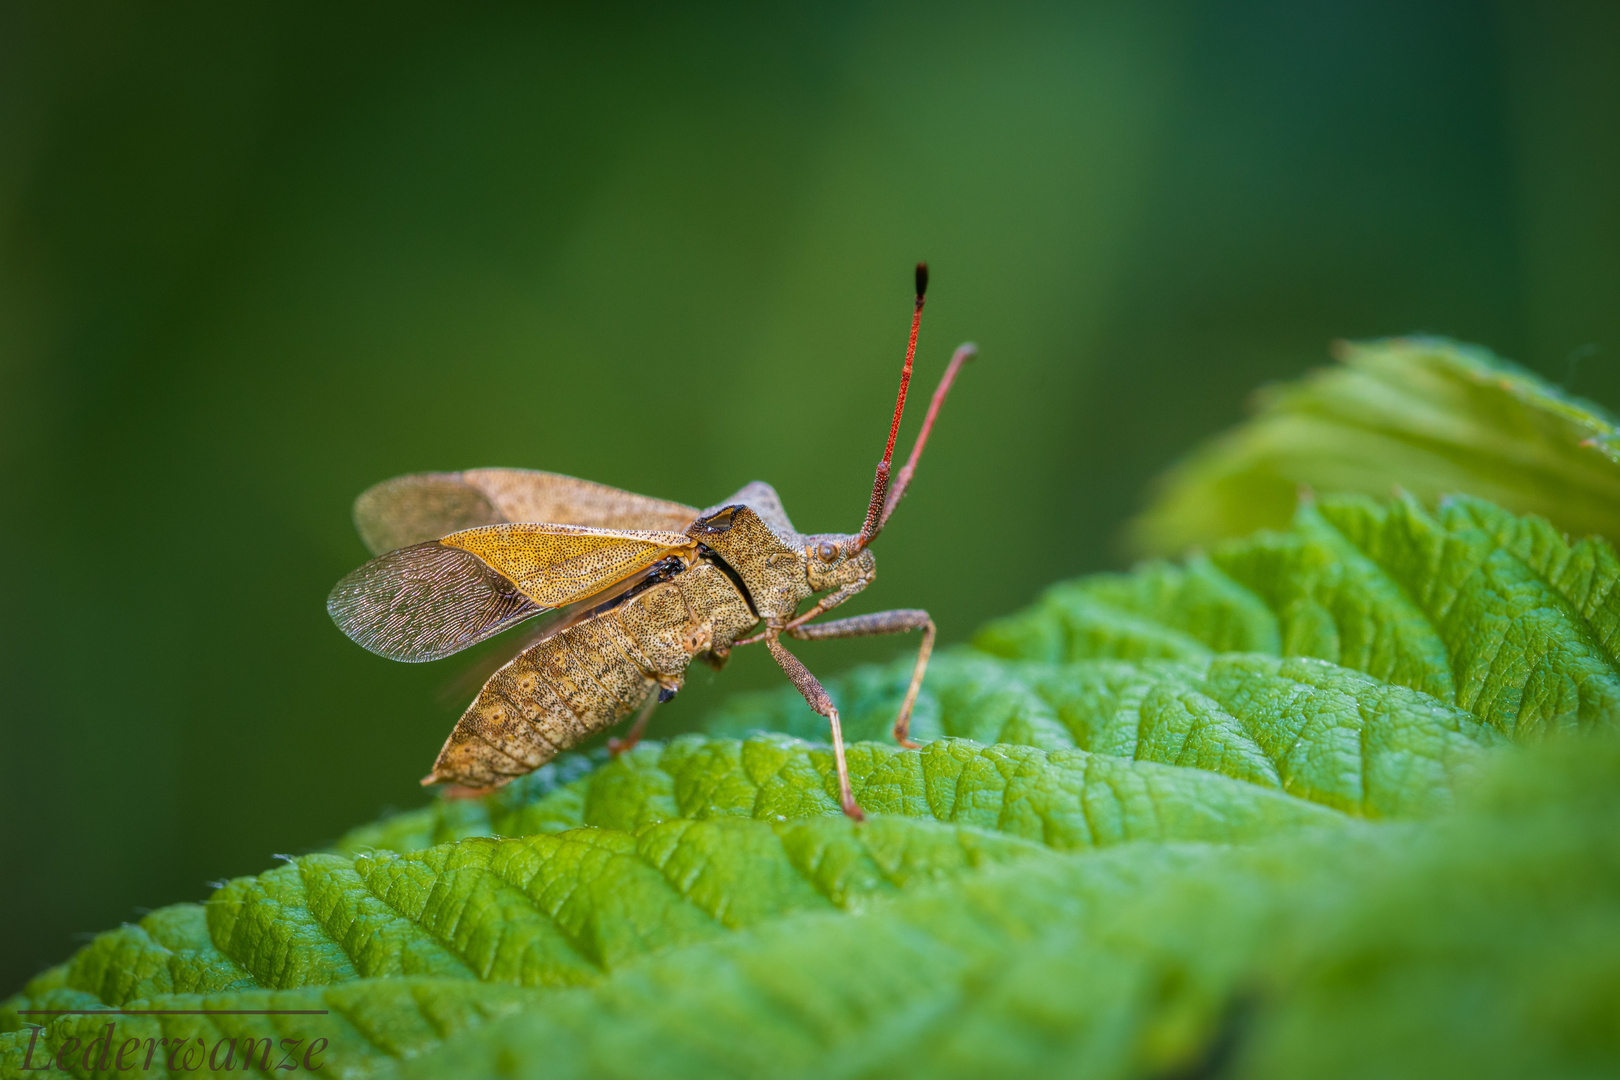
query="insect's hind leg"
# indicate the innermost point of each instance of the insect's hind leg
(818, 699)
(899, 621)
(618, 746)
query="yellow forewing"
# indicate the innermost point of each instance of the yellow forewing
(555, 565)
(425, 506)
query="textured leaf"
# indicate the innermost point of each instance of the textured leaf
(1346, 952)
(1260, 811)
(1309, 728)
(1429, 415)
(1493, 613)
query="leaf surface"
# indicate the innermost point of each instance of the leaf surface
(1493, 613)
(1431, 416)
(1334, 800)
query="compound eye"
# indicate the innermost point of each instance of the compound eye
(827, 551)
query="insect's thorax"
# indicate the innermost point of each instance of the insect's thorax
(768, 570)
(777, 566)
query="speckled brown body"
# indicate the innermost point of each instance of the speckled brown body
(592, 674)
(463, 556)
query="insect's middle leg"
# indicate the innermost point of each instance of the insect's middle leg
(818, 699)
(883, 622)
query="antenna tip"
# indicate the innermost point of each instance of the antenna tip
(922, 279)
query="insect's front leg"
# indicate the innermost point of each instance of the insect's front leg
(882, 622)
(818, 699)
(826, 604)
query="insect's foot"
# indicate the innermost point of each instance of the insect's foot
(852, 809)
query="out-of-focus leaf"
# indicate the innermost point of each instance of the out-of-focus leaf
(1424, 414)
(367, 1025)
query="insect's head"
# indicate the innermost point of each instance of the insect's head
(833, 560)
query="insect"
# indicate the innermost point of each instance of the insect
(636, 589)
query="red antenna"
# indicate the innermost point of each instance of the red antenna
(880, 485)
(964, 352)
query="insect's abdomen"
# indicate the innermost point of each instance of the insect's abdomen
(589, 676)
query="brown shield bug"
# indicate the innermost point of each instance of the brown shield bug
(636, 588)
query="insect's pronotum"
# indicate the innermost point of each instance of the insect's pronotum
(639, 587)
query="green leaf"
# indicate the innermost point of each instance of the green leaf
(1311, 729)
(1480, 609)
(1487, 945)
(1431, 416)
(1336, 800)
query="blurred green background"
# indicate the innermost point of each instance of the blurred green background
(254, 258)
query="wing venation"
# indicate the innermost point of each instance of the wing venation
(425, 506)
(530, 495)
(425, 602)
